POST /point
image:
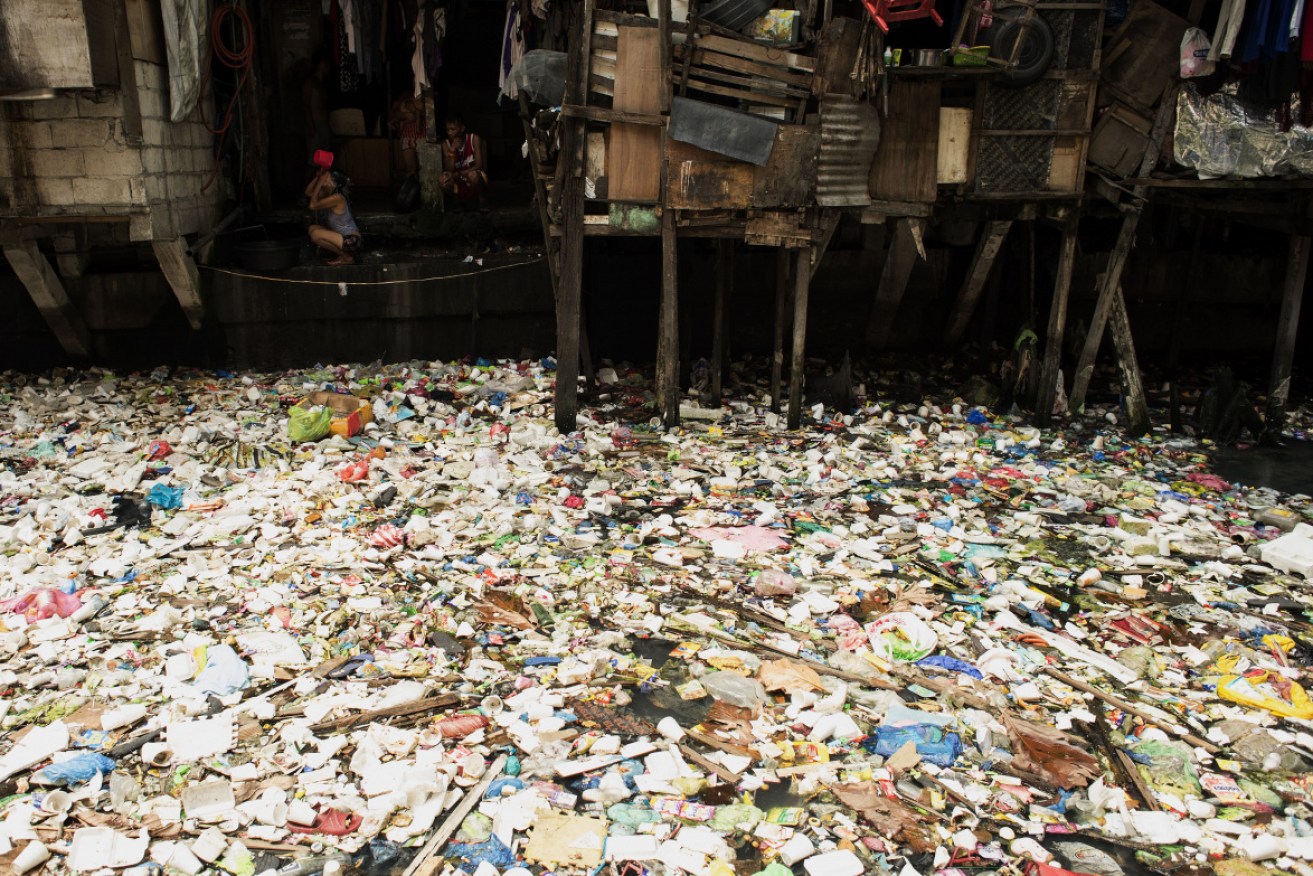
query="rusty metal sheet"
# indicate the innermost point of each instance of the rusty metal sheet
(850, 133)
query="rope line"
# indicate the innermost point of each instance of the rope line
(339, 283)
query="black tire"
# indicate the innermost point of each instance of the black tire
(736, 14)
(1036, 52)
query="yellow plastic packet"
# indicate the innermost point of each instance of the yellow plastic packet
(1253, 690)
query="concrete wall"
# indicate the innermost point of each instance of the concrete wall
(74, 155)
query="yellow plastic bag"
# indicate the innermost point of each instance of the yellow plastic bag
(1255, 689)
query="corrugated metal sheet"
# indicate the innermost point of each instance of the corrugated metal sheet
(850, 131)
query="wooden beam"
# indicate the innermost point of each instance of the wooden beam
(569, 177)
(1283, 355)
(1119, 325)
(47, 293)
(1049, 367)
(829, 225)
(782, 258)
(724, 288)
(802, 278)
(184, 279)
(600, 114)
(1110, 281)
(982, 262)
(897, 270)
(668, 326)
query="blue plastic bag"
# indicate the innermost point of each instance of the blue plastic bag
(952, 664)
(933, 744)
(75, 770)
(166, 498)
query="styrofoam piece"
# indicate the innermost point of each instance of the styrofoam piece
(837, 863)
(1292, 552)
(208, 801)
(96, 847)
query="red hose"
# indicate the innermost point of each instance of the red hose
(240, 60)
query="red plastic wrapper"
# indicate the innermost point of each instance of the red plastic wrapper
(353, 472)
(42, 603)
(159, 450)
(460, 726)
(389, 535)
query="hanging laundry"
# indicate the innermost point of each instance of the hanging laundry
(417, 68)
(512, 49)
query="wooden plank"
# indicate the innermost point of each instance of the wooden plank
(668, 324)
(982, 262)
(705, 58)
(724, 288)
(837, 50)
(789, 176)
(1110, 281)
(753, 85)
(906, 162)
(1283, 354)
(1049, 366)
(146, 31)
(634, 151)
(699, 84)
(802, 277)
(49, 296)
(954, 145)
(179, 269)
(777, 228)
(753, 51)
(702, 180)
(570, 188)
(601, 114)
(898, 264)
(782, 259)
(1119, 326)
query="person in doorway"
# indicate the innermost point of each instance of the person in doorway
(408, 122)
(314, 102)
(464, 163)
(335, 228)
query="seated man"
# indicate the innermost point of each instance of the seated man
(464, 163)
(335, 228)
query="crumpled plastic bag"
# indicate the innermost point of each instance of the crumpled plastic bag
(1195, 47)
(933, 744)
(74, 771)
(165, 498)
(1261, 689)
(788, 675)
(308, 424)
(225, 672)
(901, 636)
(41, 603)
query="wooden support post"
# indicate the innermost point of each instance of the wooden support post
(569, 315)
(782, 277)
(1048, 373)
(902, 255)
(1283, 356)
(179, 269)
(802, 278)
(724, 287)
(1110, 281)
(829, 225)
(668, 330)
(982, 263)
(1137, 409)
(570, 190)
(71, 256)
(48, 294)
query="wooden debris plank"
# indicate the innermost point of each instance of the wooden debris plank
(738, 94)
(753, 85)
(634, 151)
(707, 58)
(756, 52)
